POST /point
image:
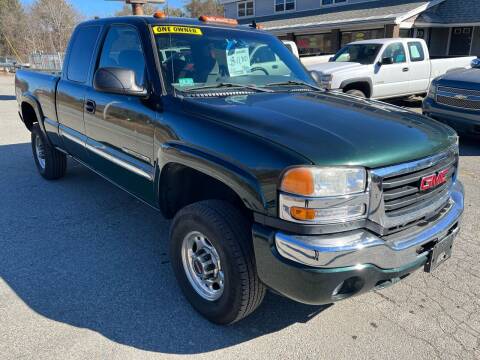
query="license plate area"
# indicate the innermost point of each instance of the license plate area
(440, 252)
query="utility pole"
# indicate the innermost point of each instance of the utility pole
(137, 5)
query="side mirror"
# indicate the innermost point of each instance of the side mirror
(117, 81)
(476, 63)
(315, 76)
(387, 60)
(331, 58)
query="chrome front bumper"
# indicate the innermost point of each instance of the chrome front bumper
(361, 247)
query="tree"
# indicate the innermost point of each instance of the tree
(12, 29)
(148, 9)
(172, 11)
(195, 8)
(53, 22)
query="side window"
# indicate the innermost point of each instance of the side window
(123, 49)
(416, 51)
(262, 55)
(81, 53)
(396, 52)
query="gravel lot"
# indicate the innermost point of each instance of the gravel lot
(84, 275)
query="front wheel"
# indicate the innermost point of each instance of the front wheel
(212, 257)
(51, 163)
(355, 92)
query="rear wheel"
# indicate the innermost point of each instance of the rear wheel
(355, 92)
(51, 163)
(212, 256)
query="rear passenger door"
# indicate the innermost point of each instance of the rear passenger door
(120, 128)
(72, 88)
(419, 70)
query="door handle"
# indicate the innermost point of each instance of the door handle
(90, 106)
(274, 66)
(405, 69)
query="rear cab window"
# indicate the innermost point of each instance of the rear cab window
(81, 53)
(416, 52)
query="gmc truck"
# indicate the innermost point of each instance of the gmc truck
(271, 181)
(384, 68)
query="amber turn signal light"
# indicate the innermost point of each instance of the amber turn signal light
(299, 213)
(298, 181)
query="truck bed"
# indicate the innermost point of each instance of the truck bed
(443, 65)
(41, 86)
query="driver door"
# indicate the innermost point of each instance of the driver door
(120, 128)
(392, 79)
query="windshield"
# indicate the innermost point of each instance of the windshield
(360, 53)
(205, 57)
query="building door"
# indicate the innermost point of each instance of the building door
(460, 41)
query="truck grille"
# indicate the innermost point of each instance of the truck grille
(401, 193)
(460, 98)
(397, 200)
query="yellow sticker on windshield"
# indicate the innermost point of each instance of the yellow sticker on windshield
(172, 29)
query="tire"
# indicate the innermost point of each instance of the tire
(356, 92)
(229, 233)
(51, 163)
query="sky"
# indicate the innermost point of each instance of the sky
(102, 8)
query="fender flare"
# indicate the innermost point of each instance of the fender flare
(237, 178)
(33, 102)
(367, 80)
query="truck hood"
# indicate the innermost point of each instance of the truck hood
(329, 129)
(331, 67)
(465, 79)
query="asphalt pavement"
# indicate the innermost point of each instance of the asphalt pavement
(84, 274)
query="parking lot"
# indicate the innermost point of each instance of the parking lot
(84, 274)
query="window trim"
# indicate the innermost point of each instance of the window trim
(244, 3)
(284, 7)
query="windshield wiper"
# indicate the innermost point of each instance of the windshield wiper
(227, 85)
(294, 82)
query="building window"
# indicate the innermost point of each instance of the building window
(245, 8)
(284, 5)
(350, 36)
(331, 2)
(318, 44)
(460, 41)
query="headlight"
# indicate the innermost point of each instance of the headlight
(326, 78)
(323, 194)
(432, 90)
(324, 181)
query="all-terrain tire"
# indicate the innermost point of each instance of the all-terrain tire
(229, 232)
(51, 163)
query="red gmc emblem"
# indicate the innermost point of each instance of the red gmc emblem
(431, 181)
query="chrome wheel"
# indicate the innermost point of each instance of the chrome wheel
(40, 151)
(202, 266)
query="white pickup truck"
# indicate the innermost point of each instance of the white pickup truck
(384, 68)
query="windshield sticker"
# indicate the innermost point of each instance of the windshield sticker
(238, 61)
(185, 82)
(171, 29)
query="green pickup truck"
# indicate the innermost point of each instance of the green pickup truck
(271, 181)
